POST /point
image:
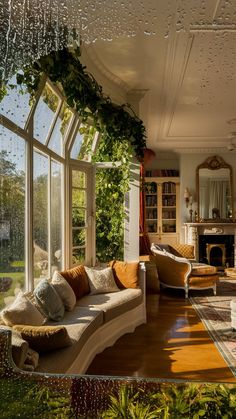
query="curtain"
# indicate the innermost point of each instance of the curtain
(218, 197)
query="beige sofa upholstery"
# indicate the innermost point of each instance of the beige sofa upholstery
(95, 323)
(178, 272)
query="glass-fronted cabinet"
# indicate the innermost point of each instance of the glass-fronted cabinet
(162, 209)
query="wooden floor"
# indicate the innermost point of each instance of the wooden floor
(173, 344)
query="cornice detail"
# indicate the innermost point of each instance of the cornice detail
(94, 58)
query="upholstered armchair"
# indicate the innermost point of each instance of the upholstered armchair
(178, 272)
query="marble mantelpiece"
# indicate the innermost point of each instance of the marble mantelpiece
(194, 230)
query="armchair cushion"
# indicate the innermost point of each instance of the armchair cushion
(185, 250)
(199, 269)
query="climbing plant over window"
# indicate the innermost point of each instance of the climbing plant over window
(122, 136)
(85, 95)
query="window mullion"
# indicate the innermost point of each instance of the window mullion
(29, 244)
(49, 218)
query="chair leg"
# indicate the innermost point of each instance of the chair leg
(186, 291)
(214, 289)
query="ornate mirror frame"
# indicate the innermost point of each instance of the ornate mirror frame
(214, 163)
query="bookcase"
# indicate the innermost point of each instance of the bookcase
(162, 209)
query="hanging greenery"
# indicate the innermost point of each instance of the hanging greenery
(85, 95)
(122, 136)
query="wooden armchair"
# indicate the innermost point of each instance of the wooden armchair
(178, 272)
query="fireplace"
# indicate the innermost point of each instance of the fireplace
(217, 250)
(220, 238)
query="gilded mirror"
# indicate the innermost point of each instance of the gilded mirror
(214, 190)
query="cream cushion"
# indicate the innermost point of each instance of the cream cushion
(101, 280)
(64, 290)
(22, 311)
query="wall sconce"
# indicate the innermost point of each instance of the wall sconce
(189, 203)
(187, 196)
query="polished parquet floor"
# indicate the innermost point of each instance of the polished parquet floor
(173, 344)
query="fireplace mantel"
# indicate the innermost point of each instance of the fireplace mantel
(194, 230)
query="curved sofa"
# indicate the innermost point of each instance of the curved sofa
(95, 323)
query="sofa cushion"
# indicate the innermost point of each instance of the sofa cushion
(125, 273)
(80, 323)
(49, 300)
(199, 269)
(44, 338)
(113, 304)
(64, 290)
(101, 280)
(78, 280)
(22, 311)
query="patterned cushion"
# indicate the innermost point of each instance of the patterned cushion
(101, 280)
(185, 250)
(200, 269)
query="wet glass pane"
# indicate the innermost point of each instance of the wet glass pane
(78, 198)
(76, 146)
(12, 215)
(60, 130)
(78, 255)
(78, 179)
(56, 211)
(78, 237)
(78, 217)
(40, 215)
(15, 106)
(45, 114)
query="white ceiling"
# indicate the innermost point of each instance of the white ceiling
(187, 72)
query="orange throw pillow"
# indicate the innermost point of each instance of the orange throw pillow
(78, 280)
(125, 273)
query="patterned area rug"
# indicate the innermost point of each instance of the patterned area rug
(214, 312)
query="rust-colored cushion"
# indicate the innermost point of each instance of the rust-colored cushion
(125, 273)
(44, 338)
(78, 280)
(202, 269)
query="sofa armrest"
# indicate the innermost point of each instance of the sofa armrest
(142, 277)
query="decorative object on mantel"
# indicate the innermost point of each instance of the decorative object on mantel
(219, 221)
(213, 230)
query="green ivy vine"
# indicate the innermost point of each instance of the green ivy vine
(122, 136)
(85, 95)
